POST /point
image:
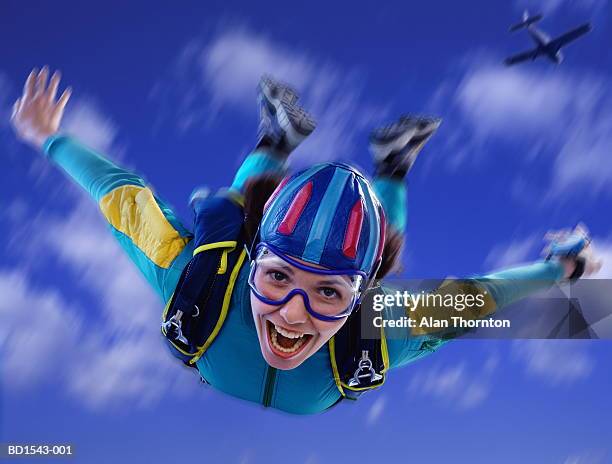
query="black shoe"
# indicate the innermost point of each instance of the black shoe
(283, 124)
(396, 146)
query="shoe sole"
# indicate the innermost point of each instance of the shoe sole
(292, 119)
(408, 130)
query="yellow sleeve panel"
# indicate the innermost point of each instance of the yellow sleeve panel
(435, 308)
(133, 211)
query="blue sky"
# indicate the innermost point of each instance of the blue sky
(169, 91)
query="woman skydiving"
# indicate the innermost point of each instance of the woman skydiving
(262, 296)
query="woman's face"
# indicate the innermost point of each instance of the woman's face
(288, 333)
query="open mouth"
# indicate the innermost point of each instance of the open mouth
(285, 343)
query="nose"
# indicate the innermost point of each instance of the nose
(294, 311)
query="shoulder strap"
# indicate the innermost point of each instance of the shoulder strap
(359, 364)
(198, 307)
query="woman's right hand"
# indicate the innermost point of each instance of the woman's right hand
(571, 246)
(37, 114)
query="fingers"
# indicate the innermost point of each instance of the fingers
(36, 87)
(41, 81)
(36, 84)
(28, 88)
(53, 85)
(61, 104)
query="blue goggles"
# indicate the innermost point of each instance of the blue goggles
(328, 295)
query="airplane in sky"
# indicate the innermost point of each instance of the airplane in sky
(550, 48)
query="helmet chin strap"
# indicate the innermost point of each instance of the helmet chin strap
(374, 272)
(250, 248)
(368, 284)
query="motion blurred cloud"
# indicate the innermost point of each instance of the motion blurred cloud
(559, 115)
(507, 102)
(218, 78)
(556, 362)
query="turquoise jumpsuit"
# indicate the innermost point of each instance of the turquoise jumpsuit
(160, 247)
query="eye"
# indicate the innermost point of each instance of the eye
(328, 292)
(277, 276)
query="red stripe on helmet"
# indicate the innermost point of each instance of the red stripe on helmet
(295, 210)
(353, 231)
(276, 192)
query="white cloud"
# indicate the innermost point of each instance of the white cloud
(121, 360)
(312, 459)
(84, 118)
(234, 61)
(136, 368)
(39, 328)
(506, 102)
(560, 117)
(456, 385)
(524, 101)
(376, 410)
(43, 338)
(512, 253)
(118, 359)
(588, 457)
(228, 68)
(87, 122)
(102, 266)
(556, 362)
(584, 159)
(115, 359)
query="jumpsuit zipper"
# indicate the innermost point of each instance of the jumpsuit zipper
(269, 388)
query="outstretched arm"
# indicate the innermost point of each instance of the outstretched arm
(496, 290)
(145, 228)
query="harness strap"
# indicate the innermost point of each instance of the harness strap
(358, 364)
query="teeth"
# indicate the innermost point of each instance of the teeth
(294, 348)
(286, 333)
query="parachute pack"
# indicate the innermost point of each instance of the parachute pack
(199, 306)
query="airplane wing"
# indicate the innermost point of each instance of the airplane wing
(570, 36)
(514, 59)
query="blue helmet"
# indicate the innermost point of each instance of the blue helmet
(326, 215)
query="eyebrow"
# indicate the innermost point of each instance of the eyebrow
(332, 282)
(340, 280)
(285, 267)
